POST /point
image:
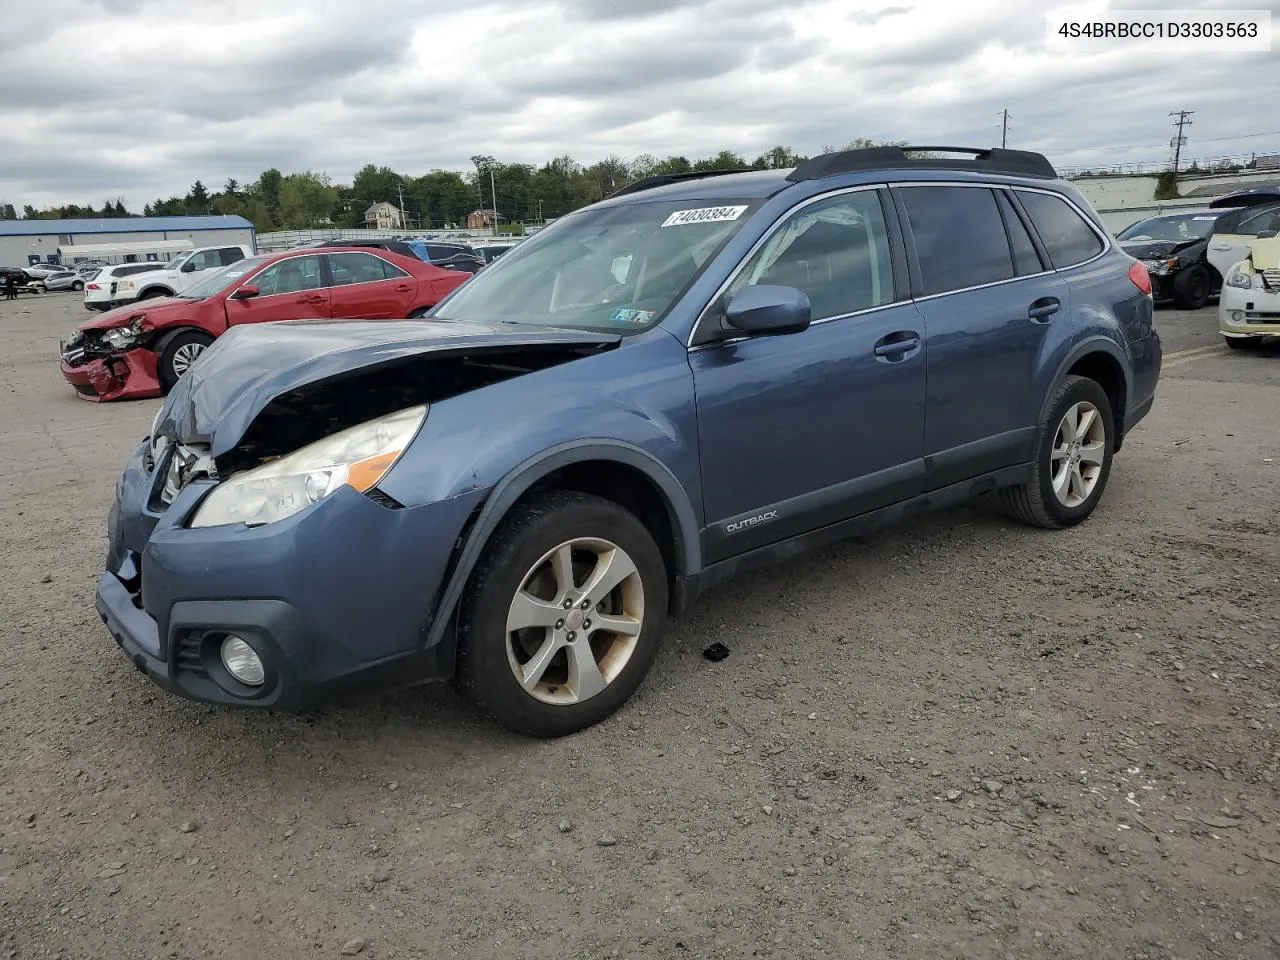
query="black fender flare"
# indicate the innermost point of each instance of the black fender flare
(1095, 344)
(684, 522)
(142, 294)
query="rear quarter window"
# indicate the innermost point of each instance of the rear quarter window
(1066, 236)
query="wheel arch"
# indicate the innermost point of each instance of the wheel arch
(1101, 360)
(154, 290)
(164, 337)
(617, 471)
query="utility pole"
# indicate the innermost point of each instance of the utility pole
(1004, 127)
(400, 187)
(1179, 141)
(494, 191)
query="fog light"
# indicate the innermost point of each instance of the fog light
(1237, 316)
(241, 662)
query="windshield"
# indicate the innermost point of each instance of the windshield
(615, 268)
(1176, 229)
(219, 280)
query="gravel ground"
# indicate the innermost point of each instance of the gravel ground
(960, 738)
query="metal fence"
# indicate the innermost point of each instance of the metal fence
(284, 239)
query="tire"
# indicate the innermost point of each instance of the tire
(1243, 343)
(178, 354)
(1036, 503)
(77, 285)
(153, 293)
(418, 314)
(1191, 288)
(518, 560)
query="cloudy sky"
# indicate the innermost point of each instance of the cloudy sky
(138, 98)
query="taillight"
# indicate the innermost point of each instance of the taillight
(1141, 279)
(92, 286)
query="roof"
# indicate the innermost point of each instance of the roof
(380, 205)
(34, 228)
(747, 185)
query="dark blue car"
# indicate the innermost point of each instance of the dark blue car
(700, 375)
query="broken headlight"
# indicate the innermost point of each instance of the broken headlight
(1237, 276)
(121, 338)
(357, 457)
(1161, 268)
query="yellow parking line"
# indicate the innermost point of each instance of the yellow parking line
(1183, 357)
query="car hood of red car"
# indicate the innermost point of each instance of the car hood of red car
(249, 366)
(157, 311)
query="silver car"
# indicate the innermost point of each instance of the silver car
(61, 280)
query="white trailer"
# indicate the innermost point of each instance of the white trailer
(136, 251)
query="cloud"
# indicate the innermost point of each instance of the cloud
(139, 98)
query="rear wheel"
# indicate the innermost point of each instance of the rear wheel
(562, 616)
(1073, 459)
(1243, 343)
(178, 355)
(1191, 288)
(77, 285)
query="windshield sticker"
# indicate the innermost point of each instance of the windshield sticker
(627, 315)
(703, 215)
(1204, 218)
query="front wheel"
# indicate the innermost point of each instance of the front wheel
(1243, 343)
(77, 285)
(1072, 461)
(562, 616)
(178, 355)
(1191, 288)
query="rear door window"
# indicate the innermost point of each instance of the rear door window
(959, 236)
(1025, 259)
(1066, 236)
(230, 255)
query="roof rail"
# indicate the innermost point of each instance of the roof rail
(662, 179)
(986, 160)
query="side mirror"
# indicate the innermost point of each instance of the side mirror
(247, 292)
(189, 267)
(768, 310)
(1266, 234)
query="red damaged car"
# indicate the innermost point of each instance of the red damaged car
(141, 350)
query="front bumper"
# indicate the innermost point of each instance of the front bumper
(130, 375)
(334, 599)
(1249, 313)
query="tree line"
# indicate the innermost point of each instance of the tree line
(438, 199)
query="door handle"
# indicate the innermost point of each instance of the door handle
(403, 288)
(1041, 310)
(314, 298)
(895, 344)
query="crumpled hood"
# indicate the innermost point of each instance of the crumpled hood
(1156, 249)
(157, 308)
(248, 367)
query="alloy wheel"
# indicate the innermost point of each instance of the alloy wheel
(1079, 450)
(574, 621)
(184, 356)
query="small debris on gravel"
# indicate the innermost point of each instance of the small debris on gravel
(992, 786)
(607, 840)
(565, 826)
(46, 579)
(953, 795)
(716, 652)
(352, 947)
(187, 827)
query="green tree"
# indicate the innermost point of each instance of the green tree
(307, 199)
(779, 158)
(7, 212)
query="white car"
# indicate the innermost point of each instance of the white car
(1233, 234)
(100, 289)
(182, 271)
(1249, 308)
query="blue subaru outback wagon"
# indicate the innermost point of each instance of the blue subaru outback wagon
(701, 374)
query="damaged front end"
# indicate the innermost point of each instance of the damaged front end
(279, 430)
(110, 364)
